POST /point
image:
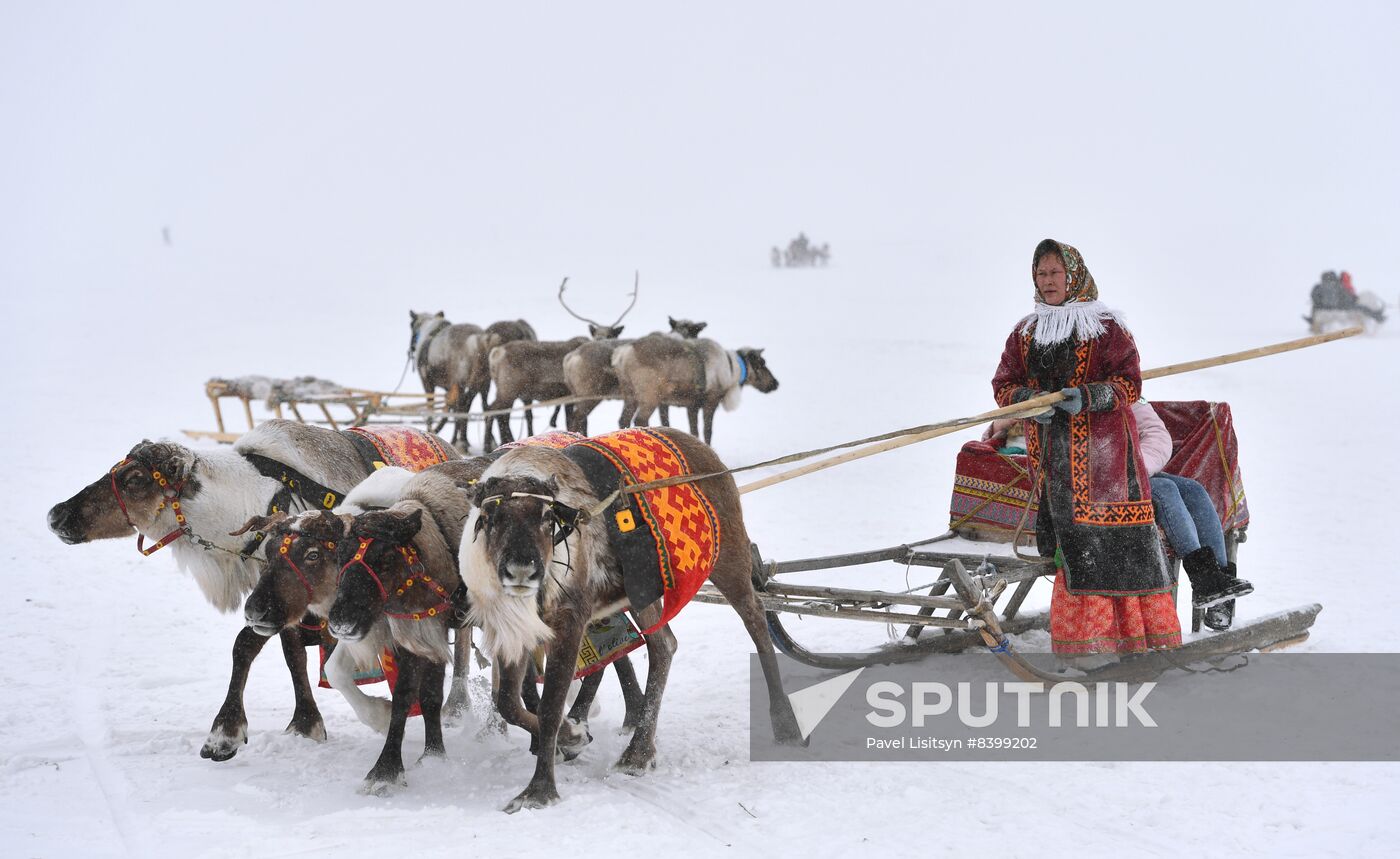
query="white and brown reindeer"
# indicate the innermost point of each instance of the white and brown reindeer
(538, 569)
(588, 371)
(439, 351)
(193, 501)
(699, 374)
(534, 371)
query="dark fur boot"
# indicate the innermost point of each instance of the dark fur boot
(1211, 583)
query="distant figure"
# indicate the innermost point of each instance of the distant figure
(1335, 302)
(165, 234)
(777, 257)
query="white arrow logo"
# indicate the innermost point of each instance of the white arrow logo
(811, 705)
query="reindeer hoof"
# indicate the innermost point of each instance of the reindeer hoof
(578, 737)
(221, 746)
(636, 764)
(314, 730)
(533, 797)
(373, 787)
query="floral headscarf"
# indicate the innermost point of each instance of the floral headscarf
(1079, 284)
(1081, 315)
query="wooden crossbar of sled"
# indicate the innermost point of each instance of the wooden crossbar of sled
(352, 408)
(958, 607)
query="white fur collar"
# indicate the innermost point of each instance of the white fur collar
(1081, 320)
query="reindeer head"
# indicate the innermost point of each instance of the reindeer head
(759, 375)
(685, 329)
(95, 513)
(519, 519)
(374, 563)
(604, 332)
(300, 572)
(417, 323)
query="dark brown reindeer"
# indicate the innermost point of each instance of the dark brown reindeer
(588, 371)
(191, 501)
(535, 371)
(439, 351)
(298, 582)
(397, 580)
(538, 571)
(698, 374)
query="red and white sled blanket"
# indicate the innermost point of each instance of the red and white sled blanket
(990, 488)
(666, 540)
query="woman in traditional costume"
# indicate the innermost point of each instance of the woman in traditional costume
(1112, 590)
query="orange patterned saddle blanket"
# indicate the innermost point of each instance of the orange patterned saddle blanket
(404, 447)
(666, 540)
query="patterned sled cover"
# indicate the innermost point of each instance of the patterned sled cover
(991, 489)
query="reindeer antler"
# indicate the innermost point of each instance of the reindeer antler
(570, 309)
(636, 286)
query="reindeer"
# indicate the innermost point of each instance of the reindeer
(536, 503)
(699, 375)
(530, 372)
(439, 351)
(303, 571)
(588, 372)
(479, 348)
(193, 502)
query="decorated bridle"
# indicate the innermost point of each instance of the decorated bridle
(416, 572)
(566, 518)
(285, 550)
(171, 497)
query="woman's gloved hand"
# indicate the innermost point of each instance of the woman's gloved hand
(1073, 401)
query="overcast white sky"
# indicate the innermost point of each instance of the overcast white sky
(293, 149)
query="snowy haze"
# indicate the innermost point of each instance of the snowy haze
(323, 168)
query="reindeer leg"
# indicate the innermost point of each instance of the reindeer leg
(559, 671)
(387, 772)
(306, 719)
(629, 411)
(640, 754)
(370, 709)
(529, 417)
(632, 695)
(461, 665)
(430, 702)
(735, 582)
(509, 683)
(230, 728)
(693, 414)
(577, 719)
(710, 421)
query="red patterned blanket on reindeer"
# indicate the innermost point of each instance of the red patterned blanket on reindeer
(667, 539)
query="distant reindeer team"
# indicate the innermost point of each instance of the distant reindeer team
(332, 544)
(678, 368)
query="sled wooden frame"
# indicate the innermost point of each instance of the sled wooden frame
(958, 620)
(365, 407)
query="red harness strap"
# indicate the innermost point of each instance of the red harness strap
(415, 567)
(172, 496)
(285, 550)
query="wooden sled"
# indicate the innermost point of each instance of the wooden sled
(943, 622)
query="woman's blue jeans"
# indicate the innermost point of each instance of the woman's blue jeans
(1185, 512)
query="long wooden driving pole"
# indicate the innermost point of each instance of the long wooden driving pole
(1036, 405)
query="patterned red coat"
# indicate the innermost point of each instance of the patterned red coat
(1096, 503)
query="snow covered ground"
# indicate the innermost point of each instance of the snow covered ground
(321, 171)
